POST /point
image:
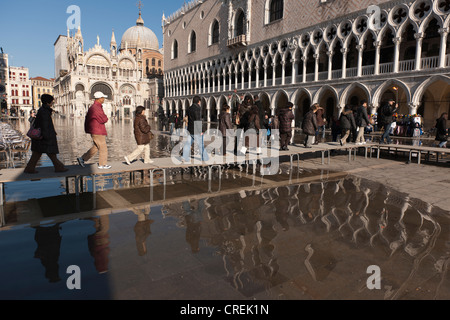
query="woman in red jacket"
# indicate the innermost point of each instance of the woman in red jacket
(95, 126)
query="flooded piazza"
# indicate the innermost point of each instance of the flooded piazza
(304, 234)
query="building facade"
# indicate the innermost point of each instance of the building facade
(130, 74)
(4, 82)
(20, 88)
(41, 86)
(329, 52)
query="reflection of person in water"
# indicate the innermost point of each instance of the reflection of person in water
(194, 210)
(142, 230)
(99, 243)
(48, 242)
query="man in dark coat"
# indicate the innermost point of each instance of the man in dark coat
(285, 116)
(321, 123)
(387, 112)
(195, 128)
(224, 125)
(48, 144)
(348, 123)
(261, 110)
(362, 121)
(309, 126)
(143, 136)
(441, 130)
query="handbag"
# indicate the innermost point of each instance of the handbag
(151, 135)
(34, 133)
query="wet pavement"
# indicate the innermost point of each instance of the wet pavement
(301, 235)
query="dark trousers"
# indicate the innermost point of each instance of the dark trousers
(31, 166)
(285, 137)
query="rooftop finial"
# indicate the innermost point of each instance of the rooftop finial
(140, 21)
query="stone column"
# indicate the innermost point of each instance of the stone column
(274, 74)
(283, 72)
(419, 40)
(265, 75)
(443, 48)
(344, 62)
(330, 64)
(243, 79)
(377, 45)
(397, 41)
(257, 77)
(304, 59)
(316, 67)
(360, 59)
(249, 78)
(294, 71)
(413, 107)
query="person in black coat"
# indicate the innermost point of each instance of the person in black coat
(362, 121)
(441, 130)
(347, 121)
(48, 144)
(386, 115)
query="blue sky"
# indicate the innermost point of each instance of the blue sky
(29, 28)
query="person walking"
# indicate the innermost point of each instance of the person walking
(321, 124)
(195, 129)
(442, 131)
(261, 111)
(178, 121)
(309, 126)
(254, 127)
(348, 123)
(285, 117)
(95, 126)
(143, 136)
(224, 125)
(362, 121)
(48, 144)
(32, 116)
(386, 117)
(172, 123)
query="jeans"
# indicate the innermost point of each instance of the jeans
(172, 128)
(386, 135)
(198, 139)
(442, 144)
(321, 129)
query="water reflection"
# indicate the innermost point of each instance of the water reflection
(313, 239)
(48, 240)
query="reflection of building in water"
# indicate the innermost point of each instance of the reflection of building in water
(319, 225)
(130, 75)
(48, 242)
(98, 243)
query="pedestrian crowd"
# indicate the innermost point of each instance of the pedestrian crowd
(250, 117)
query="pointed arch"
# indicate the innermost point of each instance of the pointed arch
(422, 88)
(389, 83)
(348, 90)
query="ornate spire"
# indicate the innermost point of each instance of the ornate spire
(140, 21)
(79, 35)
(113, 38)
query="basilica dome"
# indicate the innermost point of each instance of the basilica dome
(144, 35)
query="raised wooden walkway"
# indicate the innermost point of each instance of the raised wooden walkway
(295, 153)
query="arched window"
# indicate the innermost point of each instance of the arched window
(240, 22)
(175, 49)
(193, 42)
(105, 89)
(276, 10)
(215, 32)
(159, 63)
(153, 62)
(146, 62)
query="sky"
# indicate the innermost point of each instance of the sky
(29, 28)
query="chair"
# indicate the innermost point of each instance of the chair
(4, 150)
(21, 149)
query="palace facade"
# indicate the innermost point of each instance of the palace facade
(309, 51)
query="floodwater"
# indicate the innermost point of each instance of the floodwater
(299, 235)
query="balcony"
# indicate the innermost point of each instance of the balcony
(236, 42)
